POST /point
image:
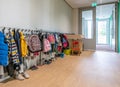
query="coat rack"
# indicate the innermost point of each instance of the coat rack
(33, 31)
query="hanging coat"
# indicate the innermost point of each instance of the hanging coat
(24, 47)
(3, 50)
(17, 41)
(13, 51)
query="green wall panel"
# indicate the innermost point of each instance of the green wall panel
(119, 27)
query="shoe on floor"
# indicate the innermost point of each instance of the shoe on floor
(34, 68)
(19, 77)
(26, 75)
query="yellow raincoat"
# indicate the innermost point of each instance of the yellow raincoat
(24, 49)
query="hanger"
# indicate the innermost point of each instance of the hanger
(25, 30)
(9, 29)
(25, 33)
(40, 31)
(32, 32)
(22, 30)
(18, 30)
(3, 30)
(13, 29)
(29, 30)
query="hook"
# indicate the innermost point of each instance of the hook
(22, 30)
(29, 30)
(13, 29)
(9, 29)
(3, 30)
(18, 30)
(25, 30)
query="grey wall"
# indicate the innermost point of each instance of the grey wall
(76, 20)
(50, 15)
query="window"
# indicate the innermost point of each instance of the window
(87, 24)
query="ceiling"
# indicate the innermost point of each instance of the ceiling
(84, 3)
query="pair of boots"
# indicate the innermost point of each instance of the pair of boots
(22, 76)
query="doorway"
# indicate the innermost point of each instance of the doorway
(102, 32)
(105, 27)
(98, 25)
(88, 27)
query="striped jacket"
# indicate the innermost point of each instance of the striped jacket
(13, 52)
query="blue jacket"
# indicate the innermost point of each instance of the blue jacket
(3, 50)
(17, 40)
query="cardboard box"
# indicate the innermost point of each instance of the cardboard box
(75, 37)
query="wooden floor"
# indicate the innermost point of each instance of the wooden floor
(91, 69)
(104, 48)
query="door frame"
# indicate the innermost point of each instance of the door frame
(94, 24)
(116, 27)
(116, 20)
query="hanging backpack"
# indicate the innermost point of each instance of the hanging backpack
(47, 45)
(64, 41)
(34, 44)
(51, 38)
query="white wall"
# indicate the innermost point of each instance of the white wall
(75, 20)
(15, 13)
(50, 15)
(54, 15)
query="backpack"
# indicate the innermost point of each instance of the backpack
(34, 44)
(64, 41)
(59, 48)
(56, 38)
(51, 38)
(47, 45)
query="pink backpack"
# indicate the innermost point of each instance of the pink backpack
(51, 38)
(34, 43)
(47, 45)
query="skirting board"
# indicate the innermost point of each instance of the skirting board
(1, 80)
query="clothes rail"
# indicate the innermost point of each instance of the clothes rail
(32, 30)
